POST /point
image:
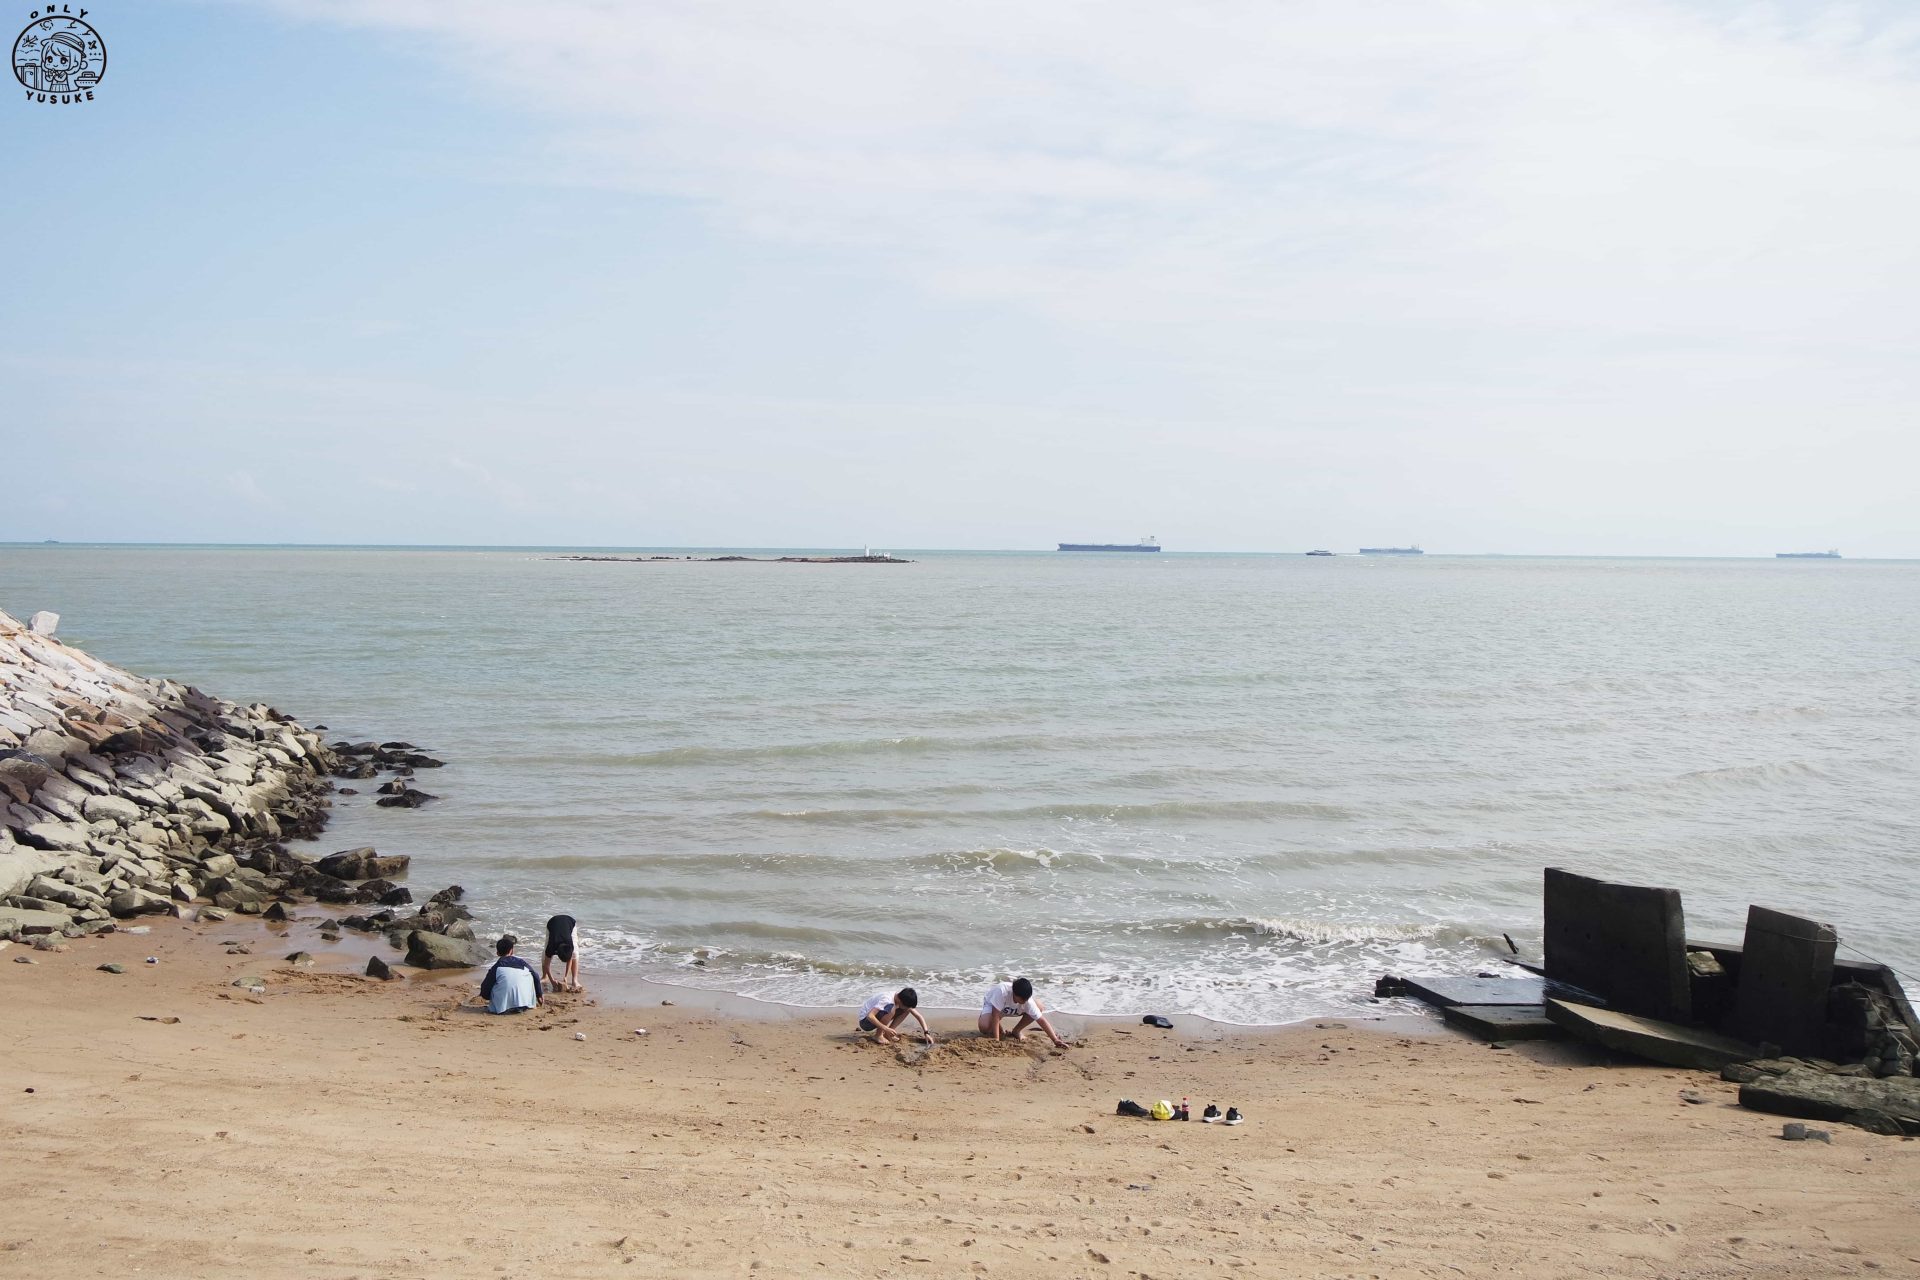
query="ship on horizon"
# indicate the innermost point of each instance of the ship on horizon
(1148, 543)
(1391, 551)
(1807, 555)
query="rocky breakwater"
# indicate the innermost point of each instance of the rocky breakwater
(124, 796)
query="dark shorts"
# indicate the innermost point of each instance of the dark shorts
(868, 1024)
(561, 951)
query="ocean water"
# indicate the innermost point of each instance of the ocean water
(1241, 786)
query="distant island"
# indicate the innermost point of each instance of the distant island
(872, 557)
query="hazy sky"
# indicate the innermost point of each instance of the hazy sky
(1623, 276)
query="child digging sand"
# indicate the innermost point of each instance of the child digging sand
(1015, 1000)
(882, 1015)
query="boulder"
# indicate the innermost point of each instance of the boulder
(301, 959)
(66, 895)
(25, 768)
(54, 837)
(15, 923)
(378, 968)
(137, 902)
(363, 864)
(398, 896)
(44, 623)
(110, 809)
(437, 951)
(407, 799)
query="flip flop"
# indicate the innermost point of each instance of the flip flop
(1155, 1020)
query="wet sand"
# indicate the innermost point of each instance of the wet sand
(339, 1127)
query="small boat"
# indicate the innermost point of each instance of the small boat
(1319, 553)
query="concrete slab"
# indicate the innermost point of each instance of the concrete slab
(1625, 943)
(1442, 992)
(1786, 970)
(1649, 1038)
(1503, 1021)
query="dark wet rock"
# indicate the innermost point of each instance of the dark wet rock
(397, 896)
(378, 968)
(362, 864)
(277, 913)
(452, 893)
(407, 799)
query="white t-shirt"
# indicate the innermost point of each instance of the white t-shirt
(877, 1007)
(1000, 999)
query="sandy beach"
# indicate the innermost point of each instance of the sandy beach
(336, 1126)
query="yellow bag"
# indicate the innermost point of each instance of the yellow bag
(1163, 1110)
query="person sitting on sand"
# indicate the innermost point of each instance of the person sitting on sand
(562, 945)
(882, 1014)
(1015, 1000)
(510, 986)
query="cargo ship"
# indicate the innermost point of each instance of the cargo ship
(1806, 555)
(1391, 551)
(1145, 544)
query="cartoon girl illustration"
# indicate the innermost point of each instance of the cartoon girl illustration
(63, 58)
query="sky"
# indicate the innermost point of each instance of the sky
(1621, 277)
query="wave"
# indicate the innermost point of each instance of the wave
(912, 744)
(1312, 933)
(1230, 810)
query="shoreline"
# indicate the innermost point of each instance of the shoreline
(164, 1120)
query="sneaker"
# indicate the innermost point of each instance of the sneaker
(1211, 1115)
(1233, 1116)
(1128, 1107)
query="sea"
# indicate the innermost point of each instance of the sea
(1238, 786)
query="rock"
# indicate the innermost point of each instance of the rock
(451, 894)
(407, 799)
(110, 809)
(378, 968)
(112, 968)
(304, 959)
(437, 951)
(398, 896)
(44, 623)
(137, 902)
(25, 960)
(251, 982)
(362, 864)
(1815, 1095)
(1797, 1132)
(220, 864)
(212, 913)
(24, 768)
(276, 913)
(54, 837)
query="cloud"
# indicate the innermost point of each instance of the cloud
(1625, 165)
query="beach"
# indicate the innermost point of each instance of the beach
(335, 1126)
